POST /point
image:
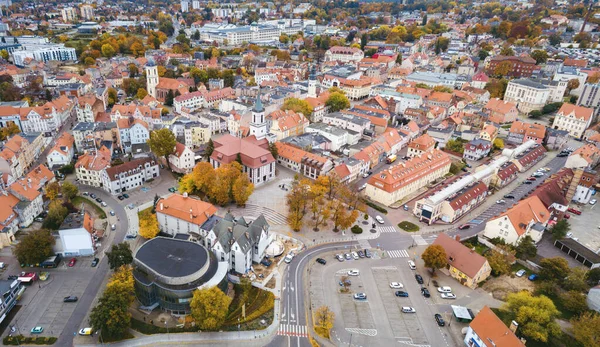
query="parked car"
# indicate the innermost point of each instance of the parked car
(408, 309)
(345, 283)
(98, 200)
(396, 285)
(288, 258)
(572, 210)
(361, 254)
(95, 262)
(360, 296)
(500, 201)
(567, 216)
(112, 213)
(104, 204)
(321, 261)
(37, 330)
(411, 265)
(448, 296)
(425, 292)
(509, 196)
(528, 182)
(266, 262)
(368, 253)
(353, 272)
(365, 175)
(70, 299)
(531, 179)
(113, 227)
(439, 320)
(348, 256)
(72, 262)
(419, 279)
(405, 207)
(339, 257)
(379, 219)
(444, 289)
(172, 189)
(593, 202)
(520, 273)
(85, 193)
(464, 227)
(85, 331)
(93, 196)
(361, 188)
(533, 277)
(354, 255)
(120, 197)
(401, 294)
(126, 196)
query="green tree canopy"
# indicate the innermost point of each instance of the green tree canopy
(560, 229)
(111, 316)
(35, 247)
(337, 102)
(162, 143)
(554, 269)
(119, 255)
(526, 248)
(536, 315)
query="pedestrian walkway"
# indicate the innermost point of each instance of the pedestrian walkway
(368, 332)
(272, 216)
(389, 229)
(420, 241)
(293, 330)
(398, 254)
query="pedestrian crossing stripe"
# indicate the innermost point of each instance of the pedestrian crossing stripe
(292, 330)
(398, 254)
(387, 229)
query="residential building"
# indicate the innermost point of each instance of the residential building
(91, 136)
(338, 137)
(527, 94)
(181, 214)
(420, 145)
(344, 54)
(308, 164)
(501, 111)
(133, 135)
(183, 159)
(466, 266)
(521, 132)
(449, 205)
(257, 161)
(479, 80)
(528, 217)
(76, 235)
(487, 330)
(407, 177)
(590, 97)
(19, 153)
(192, 134)
(574, 119)
(43, 53)
(89, 167)
(88, 107)
(202, 99)
(585, 157)
(505, 174)
(529, 157)
(62, 152)
(477, 149)
(347, 121)
(68, 14)
(130, 175)
(556, 139)
(87, 12)
(568, 73)
(519, 66)
(10, 290)
(488, 133)
(286, 123)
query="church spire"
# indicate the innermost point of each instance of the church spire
(258, 106)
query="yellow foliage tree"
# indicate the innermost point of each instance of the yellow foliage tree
(148, 225)
(242, 189)
(52, 190)
(209, 308)
(324, 319)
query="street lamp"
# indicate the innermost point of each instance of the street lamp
(167, 326)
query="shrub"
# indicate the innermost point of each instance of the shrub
(408, 226)
(356, 229)
(376, 207)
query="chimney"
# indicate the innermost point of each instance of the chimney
(191, 214)
(513, 327)
(185, 194)
(162, 206)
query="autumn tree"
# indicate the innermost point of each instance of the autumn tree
(69, 190)
(119, 255)
(536, 315)
(148, 224)
(298, 106)
(540, 56)
(506, 50)
(56, 215)
(108, 50)
(337, 102)
(209, 308)
(52, 191)
(112, 96)
(503, 68)
(35, 247)
(574, 302)
(498, 144)
(324, 320)
(554, 269)
(242, 189)
(560, 229)
(342, 218)
(497, 87)
(586, 329)
(501, 261)
(141, 93)
(435, 257)
(162, 143)
(577, 280)
(572, 84)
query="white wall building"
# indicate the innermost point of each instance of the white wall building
(130, 175)
(44, 53)
(182, 160)
(527, 94)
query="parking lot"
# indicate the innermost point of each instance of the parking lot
(379, 319)
(585, 226)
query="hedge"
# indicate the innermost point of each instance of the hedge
(356, 229)
(376, 207)
(408, 226)
(22, 340)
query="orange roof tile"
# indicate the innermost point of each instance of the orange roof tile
(578, 111)
(189, 209)
(525, 211)
(491, 328)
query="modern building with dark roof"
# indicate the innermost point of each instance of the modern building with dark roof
(168, 270)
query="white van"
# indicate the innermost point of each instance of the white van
(412, 265)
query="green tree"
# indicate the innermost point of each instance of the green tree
(457, 146)
(535, 114)
(209, 308)
(555, 39)
(337, 101)
(560, 229)
(4, 54)
(273, 150)
(35, 247)
(112, 96)
(483, 54)
(210, 148)
(536, 315)
(577, 280)
(441, 44)
(69, 190)
(119, 255)
(506, 50)
(298, 106)
(435, 257)
(593, 277)
(526, 248)
(111, 316)
(540, 56)
(162, 143)
(499, 262)
(56, 215)
(503, 69)
(169, 98)
(108, 50)
(574, 302)
(554, 269)
(586, 329)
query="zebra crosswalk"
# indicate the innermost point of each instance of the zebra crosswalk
(402, 253)
(292, 330)
(388, 229)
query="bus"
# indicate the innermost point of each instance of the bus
(392, 158)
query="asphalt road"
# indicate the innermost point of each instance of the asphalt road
(84, 304)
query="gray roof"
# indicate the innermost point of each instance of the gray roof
(229, 231)
(72, 221)
(528, 83)
(172, 257)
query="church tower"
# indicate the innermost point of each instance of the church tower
(151, 77)
(258, 126)
(312, 83)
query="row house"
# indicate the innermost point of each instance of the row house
(530, 157)
(354, 88)
(88, 107)
(379, 118)
(286, 123)
(130, 175)
(298, 160)
(374, 153)
(133, 134)
(407, 177)
(180, 214)
(574, 119)
(350, 169)
(448, 206)
(62, 152)
(521, 132)
(19, 153)
(202, 99)
(420, 145)
(501, 111)
(90, 166)
(192, 134)
(505, 174)
(94, 135)
(152, 116)
(477, 149)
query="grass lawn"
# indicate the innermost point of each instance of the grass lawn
(408, 226)
(259, 303)
(141, 213)
(78, 200)
(479, 247)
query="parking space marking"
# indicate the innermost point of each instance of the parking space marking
(398, 254)
(389, 229)
(292, 330)
(368, 332)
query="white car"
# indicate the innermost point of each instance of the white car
(104, 204)
(500, 201)
(593, 202)
(379, 219)
(365, 175)
(521, 272)
(444, 289)
(448, 296)
(288, 258)
(353, 272)
(362, 187)
(411, 265)
(354, 255)
(396, 285)
(339, 257)
(408, 309)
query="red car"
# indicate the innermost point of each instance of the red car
(572, 210)
(464, 226)
(72, 262)
(567, 216)
(531, 178)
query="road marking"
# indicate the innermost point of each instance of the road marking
(389, 229)
(419, 240)
(393, 268)
(398, 254)
(292, 330)
(368, 332)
